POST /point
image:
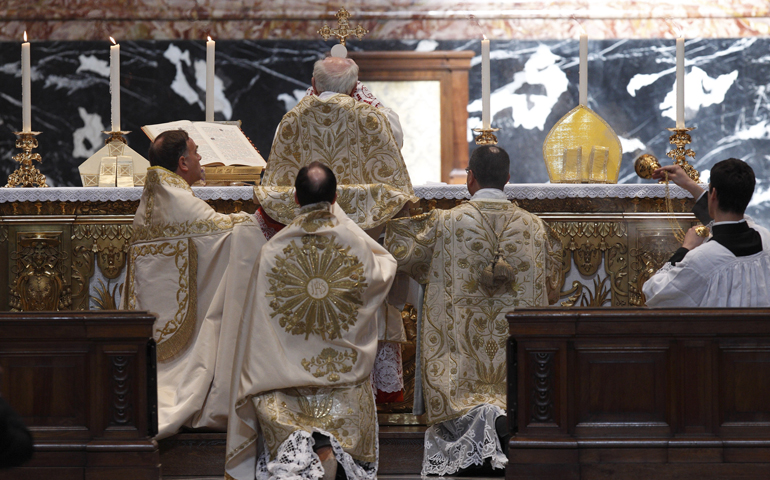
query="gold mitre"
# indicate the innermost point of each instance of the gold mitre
(582, 148)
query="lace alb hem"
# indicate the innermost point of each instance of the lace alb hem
(388, 372)
(296, 460)
(463, 442)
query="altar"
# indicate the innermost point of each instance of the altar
(614, 237)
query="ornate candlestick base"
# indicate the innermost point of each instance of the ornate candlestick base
(117, 136)
(486, 136)
(26, 175)
(680, 138)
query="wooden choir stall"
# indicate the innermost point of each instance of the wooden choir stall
(628, 393)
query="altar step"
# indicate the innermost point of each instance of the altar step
(201, 455)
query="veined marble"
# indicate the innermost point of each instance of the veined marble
(534, 83)
(386, 19)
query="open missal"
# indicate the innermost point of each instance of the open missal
(218, 144)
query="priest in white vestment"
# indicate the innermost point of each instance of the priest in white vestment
(178, 256)
(732, 267)
(478, 261)
(342, 125)
(302, 401)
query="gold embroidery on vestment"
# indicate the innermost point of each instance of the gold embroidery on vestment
(317, 288)
(331, 363)
(175, 335)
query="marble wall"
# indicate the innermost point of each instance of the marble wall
(386, 19)
(534, 83)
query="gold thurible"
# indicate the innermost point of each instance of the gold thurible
(26, 175)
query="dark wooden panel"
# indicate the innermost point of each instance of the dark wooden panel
(80, 382)
(621, 386)
(699, 471)
(745, 392)
(696, 388)
(401, 449)
(194, 454)
(46, 386)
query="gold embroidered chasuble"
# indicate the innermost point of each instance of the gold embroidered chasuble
(352, 138)
(464, 330)
(308, 339)
(177, 261)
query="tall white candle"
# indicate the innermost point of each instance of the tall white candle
(26, 88)
(210, 80)
(680, 82)
(583, 88)
(115, 84)
(485, 106)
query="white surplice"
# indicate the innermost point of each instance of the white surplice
(711, 276)
(178, 257)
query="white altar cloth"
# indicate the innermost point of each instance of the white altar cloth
(528, 191)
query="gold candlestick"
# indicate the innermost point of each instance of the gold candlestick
(680, 138)
(26, 175)
(486, 137)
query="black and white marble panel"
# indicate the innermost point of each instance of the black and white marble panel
(534, 83)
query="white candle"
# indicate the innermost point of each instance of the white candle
(115, 84)
(26, 88)
(680, 82)
(210, 80)
(485, 107)
(583, 88)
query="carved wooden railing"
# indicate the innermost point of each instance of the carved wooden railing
(84, 383)
(639, 393)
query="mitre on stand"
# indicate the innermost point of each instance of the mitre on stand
(114, 165)
(582, 147)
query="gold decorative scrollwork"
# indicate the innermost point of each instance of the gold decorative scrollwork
(103, 245)
(589, 244)
(331, 363)
(40, 268)
(653, 249)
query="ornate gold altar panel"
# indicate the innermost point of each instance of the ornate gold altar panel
(70, 255)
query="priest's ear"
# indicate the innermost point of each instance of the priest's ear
(181, 164)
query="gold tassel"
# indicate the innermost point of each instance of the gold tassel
(498, 272)
(488, 277)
